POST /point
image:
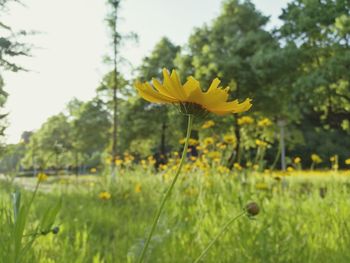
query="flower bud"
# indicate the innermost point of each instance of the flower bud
(55, 230)
(252, 209)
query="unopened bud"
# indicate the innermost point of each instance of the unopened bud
(252, 209)
(55, 230)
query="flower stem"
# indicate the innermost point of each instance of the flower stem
(168, 192)
(223, 230)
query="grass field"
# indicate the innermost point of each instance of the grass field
(304, 217)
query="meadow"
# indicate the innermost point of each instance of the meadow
(261, 174)
(303, 217)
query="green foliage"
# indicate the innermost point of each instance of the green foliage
(18, 233)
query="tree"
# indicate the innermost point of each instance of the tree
(321, 30)
(89, 120)
(50, 145)
(226, 49)
(10, 47)
(162, 56)
(112, 22)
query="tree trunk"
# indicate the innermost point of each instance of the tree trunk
(115, 95)
(282, 145)
(235, 155)
(162, 141)
(76, 164)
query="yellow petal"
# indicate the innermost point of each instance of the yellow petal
(173, 86)
(193, 91)
(148, 93)
(232, 107)
(163, 90)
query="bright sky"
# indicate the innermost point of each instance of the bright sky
(67, 61)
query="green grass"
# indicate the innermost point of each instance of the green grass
(295, 224)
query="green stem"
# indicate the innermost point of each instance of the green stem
(168, 192)
(223, 230)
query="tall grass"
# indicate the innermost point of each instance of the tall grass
(298, 222)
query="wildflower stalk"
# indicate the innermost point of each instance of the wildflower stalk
(223, 230)
(168, 192)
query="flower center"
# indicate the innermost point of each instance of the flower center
(190, 108)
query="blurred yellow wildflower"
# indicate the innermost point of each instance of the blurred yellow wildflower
(261, 143)
(261, 186)
(138, 188)
(208, 141)
(290, 169)
(163, 167)
(151, 160)
(42, 177)
(237, 166)
(104, 195)
(214, 155)
(229, 139)
(189, 96)
(193, 142)
(245, 120)
(315, 158)
(264, 122)
(347, 161)
(297, 160)
(208, 124)
(223, 169)
(93, 170)
(118, 162)
(221, 146)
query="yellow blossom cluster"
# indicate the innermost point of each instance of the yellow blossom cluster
(104, 195)
(315, 158)
(208, 124)
(265, 122)
(245, 120)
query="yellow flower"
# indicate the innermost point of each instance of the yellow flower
(245, 120)
(261, 186)
(290, 169)
(163, 167)
(104, 195)
(264, 122)
(347, 161)
(214, 155)
(297, 160)
(208, 124)
(315, 158)
(333, 158)
(221, 146)
(229, 139)
(138, 188)
(42, 177)
(260, 143)
(118, 162)
(223, 169)
(151, 160)
(192, 142)
(93, 170)
(237, 166)
(189, 96)
(209, 140)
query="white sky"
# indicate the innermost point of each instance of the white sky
(68, 63)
